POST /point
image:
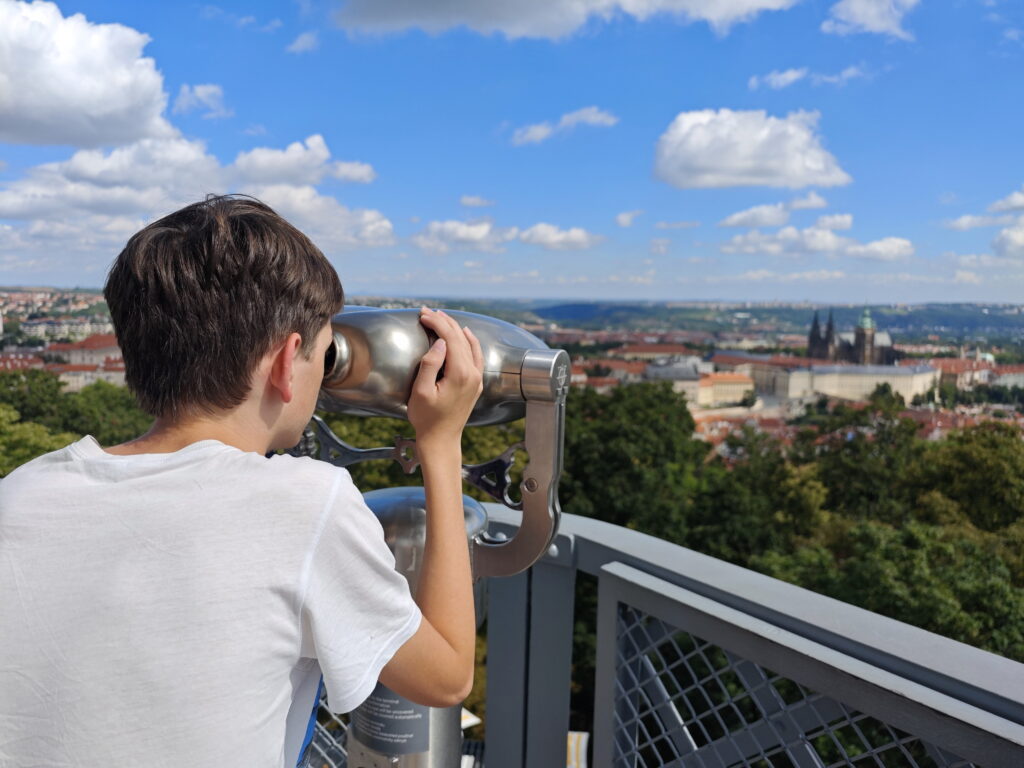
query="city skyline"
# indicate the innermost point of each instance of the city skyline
(860, 151)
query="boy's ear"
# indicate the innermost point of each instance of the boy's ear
(282, 369)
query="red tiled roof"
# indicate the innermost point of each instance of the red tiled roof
(96, 341)
(627, 366)
(19, 362)
(603, 381)
(652, 349)
(709, 379)
(959, 365)
(71, 367)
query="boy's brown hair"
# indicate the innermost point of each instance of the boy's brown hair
(198, 297)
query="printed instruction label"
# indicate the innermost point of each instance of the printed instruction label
(390, 724)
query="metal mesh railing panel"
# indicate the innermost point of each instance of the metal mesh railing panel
(328, 747)
(682, 701)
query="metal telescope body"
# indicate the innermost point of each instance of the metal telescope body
(369, 371)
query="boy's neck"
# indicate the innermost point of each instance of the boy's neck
(167, 436)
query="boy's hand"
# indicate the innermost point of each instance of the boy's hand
(438, 409)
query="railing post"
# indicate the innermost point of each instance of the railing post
(529, 663)
(507, 665)
(552, 593)
(605, 673)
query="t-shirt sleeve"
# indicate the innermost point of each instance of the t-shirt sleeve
(357, 610)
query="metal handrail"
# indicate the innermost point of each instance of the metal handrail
(949, 686)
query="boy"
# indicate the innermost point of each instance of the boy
(174, 600)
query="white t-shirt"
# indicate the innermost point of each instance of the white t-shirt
(178, 609)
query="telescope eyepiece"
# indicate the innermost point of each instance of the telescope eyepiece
(336, 359)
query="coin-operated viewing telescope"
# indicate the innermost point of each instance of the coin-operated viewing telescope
(369, 370)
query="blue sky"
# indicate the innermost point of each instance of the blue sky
(832, 150)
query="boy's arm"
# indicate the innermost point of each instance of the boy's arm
(435, 666)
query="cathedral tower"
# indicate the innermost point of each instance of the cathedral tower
(864, 339)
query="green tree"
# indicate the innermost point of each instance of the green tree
(107, 412)
(630, 457)
(23, 441)
(981, 469)
(35, 394)
(952, 580)
(754, 501)
(866, 458)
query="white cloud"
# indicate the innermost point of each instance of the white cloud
(66, 80)
(835, 221)
(659, 246)
(967, 277)
(299, 163)
(759, 216)
(1009, 243)
(1012, 202)
(767, 275)
(256, 129)
(983, 260)
(208, 96)
(886, 249)
(625, 219)
(972, 221)
(790, 241)
(777, 80)
(304, 43)
(840, 78)
(540, 18)
(551, 237)
(481, 235)
(535, 134)
(328, 223)
(93, 201)
(727, 148)
(143, 178)
(475, 201)
(811, 200)
(884, 17)
(353, 170)
(677, 224)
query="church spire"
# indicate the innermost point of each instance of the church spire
(830, 329)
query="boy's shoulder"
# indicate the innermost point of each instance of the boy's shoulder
(89, 463)
(39, 464)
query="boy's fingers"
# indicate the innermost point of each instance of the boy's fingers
(474, 346)
(445, 327)
(430, 365)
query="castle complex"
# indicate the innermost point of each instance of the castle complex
(864, 346)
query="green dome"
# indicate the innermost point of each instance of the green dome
(866, 321)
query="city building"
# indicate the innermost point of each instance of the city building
(19, 361)
(1007, 376)
(717, 389)
(866, 345)
(798, 377)
(65, 327)
(650, 351)
(93, 350)
(75, 376)
(962, 373)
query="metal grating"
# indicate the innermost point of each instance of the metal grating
(328, 747)
(682, 701)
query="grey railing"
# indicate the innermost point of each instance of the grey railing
(704, 664)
